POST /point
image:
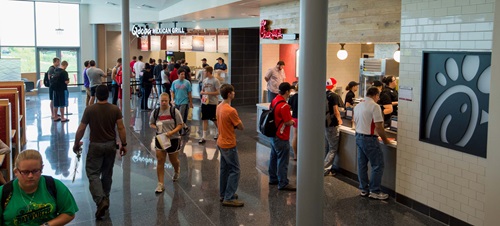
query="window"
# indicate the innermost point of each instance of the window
(17, 26)
(26, 54)
(57, 24)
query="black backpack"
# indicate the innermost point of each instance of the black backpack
(8, 188)
(56, 77)
(46, 78)
(266, 123)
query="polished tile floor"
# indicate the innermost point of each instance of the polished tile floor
(194, 199)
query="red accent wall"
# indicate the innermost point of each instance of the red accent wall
(287, 55)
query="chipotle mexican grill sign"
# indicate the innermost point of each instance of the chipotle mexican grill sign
(146, 31)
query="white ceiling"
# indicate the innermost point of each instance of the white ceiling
(214, 10)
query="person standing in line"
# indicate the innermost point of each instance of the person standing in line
(332, 129)
(352, 87)
(147, 85)
(154, 91)
(114, 80)
(158, 79)
(181, 97)
(165, 78)
(4, 150)
(293, 101)
(86, 82)
(280, 144)
(102, 148)
(60, 88)
(210, 99)
(274, 77)
(228, 120)
(165, 123)
(368, 119)
(171, 64)
(173, 73)
(138, 68)
(132, 72)
(184, 65)
(95, 74)
(55, 64)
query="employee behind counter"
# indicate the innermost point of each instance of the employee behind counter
(388, 98)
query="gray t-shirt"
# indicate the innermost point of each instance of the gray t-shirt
(211, 85)
(95, 75)
(167, 121)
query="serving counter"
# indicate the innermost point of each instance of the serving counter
(347, 159)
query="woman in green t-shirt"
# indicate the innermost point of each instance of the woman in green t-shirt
(35, 199)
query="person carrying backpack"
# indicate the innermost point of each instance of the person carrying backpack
(46, 81)
(280, 144)
(332, 122)
(167, 121)
(33, 199)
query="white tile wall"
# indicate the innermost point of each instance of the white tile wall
(10, 69)
(446, 180)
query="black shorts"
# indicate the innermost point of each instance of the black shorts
(51, 93)
(60, 98)
(92, 91)
(208, 112)
(175, 146)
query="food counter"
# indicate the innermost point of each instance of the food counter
(347, 156)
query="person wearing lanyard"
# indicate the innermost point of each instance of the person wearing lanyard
(368, 119)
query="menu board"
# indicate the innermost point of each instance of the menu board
(155, 43)
(223, 43)
(187, 42)
(144, 43)
(210, 43)
(172, 43)
(198, 43)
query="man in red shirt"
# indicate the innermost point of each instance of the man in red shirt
(280, 144)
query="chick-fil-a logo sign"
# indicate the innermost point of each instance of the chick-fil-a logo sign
(267, 33)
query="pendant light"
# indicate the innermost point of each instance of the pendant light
(342, 53)
(397, 54)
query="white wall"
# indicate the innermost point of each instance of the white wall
(444, 179)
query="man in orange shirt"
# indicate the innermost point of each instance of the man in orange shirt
(227, 121)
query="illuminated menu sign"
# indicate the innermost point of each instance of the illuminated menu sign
(146, 31)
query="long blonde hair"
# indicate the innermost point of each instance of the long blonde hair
(28, 155)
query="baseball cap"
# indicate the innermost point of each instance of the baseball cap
(204, 59)
(285, 86)
(330, 83)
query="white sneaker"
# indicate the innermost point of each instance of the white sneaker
(175, 177)
(201, 141)
(379, 196)
(159, 188)
(216, 136)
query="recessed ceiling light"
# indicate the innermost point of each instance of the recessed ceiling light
(254, 15)
(369, 43)
(111, 3)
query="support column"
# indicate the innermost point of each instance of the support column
(95, 44)
(125, 59)
(493, 155)
(311, 142)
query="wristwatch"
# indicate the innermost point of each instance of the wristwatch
(124, 144)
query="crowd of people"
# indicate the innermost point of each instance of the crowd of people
(27, 198)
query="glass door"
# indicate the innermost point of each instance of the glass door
(46, 55)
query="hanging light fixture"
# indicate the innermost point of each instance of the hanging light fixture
(59, 30)
(342, 53)
(397, 54)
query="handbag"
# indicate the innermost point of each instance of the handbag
(190, 114)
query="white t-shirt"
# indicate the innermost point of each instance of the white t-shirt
(164, 77)
(138, 67)
(366, 114)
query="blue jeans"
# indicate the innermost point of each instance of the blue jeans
(369, 151)
(331, 146)
(278, 163)
(99, 168)
(229, 172)
(271, 96)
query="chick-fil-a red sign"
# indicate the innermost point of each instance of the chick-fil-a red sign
(266, 33)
